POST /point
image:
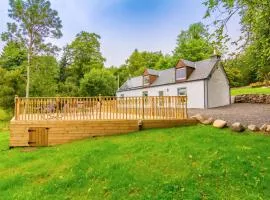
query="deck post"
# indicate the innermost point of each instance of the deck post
(143, 107)
(16, 113)
(186, 108)
(99, 99)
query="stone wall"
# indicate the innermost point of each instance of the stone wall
(252, 98)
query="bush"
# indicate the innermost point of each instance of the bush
(4, 115)
(260, 84)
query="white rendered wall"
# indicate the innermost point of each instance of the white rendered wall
(195, 92)
(218, 89)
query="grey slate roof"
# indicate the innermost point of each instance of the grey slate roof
(202, 71)
(153, 72)
(189, 63)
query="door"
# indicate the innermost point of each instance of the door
(38, 136)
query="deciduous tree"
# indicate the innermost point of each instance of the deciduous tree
(193, 44)
(34, 20)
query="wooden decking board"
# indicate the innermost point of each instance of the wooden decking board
(60, 132)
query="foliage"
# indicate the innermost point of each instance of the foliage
(33, 22)
(80, 58)
(44, 76)
(139, 61)
(120, 73)
(13, 55)
(255, 28)
(11, 83)
(85, 54)
(197, 162)
(98, 82)
(260, 84)
(193, 44)
(4, 116)
(250, 90)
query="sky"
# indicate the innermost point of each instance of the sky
(125, 25)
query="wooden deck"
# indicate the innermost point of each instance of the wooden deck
(52, 121)
(101, 108)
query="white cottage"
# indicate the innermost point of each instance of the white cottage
(204, 82)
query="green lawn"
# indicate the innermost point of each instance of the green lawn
(197, 162)
(250, 90)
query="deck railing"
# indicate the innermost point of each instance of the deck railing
(100, 108)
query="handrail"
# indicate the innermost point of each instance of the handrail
(100, 108)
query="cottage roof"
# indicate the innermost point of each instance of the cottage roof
(202, 70)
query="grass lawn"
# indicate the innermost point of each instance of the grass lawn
(197, 162)
(249, 90)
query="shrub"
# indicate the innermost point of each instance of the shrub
(260, 84)
(4, 115)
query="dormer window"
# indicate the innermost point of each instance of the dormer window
(146, 80)
(181, 74)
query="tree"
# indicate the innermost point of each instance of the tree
(139, 61)
(12, 83)
(79, 58)
(255, 27)
(13, 55)
(34, 20)
(120, 73)
(98, 81)
(63, 64)
(193, 44)
(45, 73)
(85, 53)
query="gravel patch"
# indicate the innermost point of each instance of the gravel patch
(245, 113)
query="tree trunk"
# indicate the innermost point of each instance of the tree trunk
(29, 58)
(28, 75)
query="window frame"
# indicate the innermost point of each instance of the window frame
(146, 77)
(181, 69)
(182, 88)
(159, 92)
(145, 92)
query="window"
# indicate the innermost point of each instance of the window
(146, 80)
(145, 94)
(161, 100)
(181, 74)
(182, 91)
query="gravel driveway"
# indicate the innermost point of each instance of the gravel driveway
(245, 113)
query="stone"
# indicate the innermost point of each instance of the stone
(268, 128)
(253, 127)
(208, 121)
(219, 123)
(253, 98)
(237, 127)
(198, 117)
(263, 127)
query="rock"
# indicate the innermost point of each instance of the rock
(263, 127)
(253, 127)
(209, 121)
(219, 123)
(253, 98)
(199, 117)
(268, 128)
(238, 127)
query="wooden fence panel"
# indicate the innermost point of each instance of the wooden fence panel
(101, 108)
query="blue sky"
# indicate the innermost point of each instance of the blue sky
(124, 25)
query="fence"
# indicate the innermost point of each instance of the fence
(100, 108)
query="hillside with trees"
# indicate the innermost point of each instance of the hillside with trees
(30, 66)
